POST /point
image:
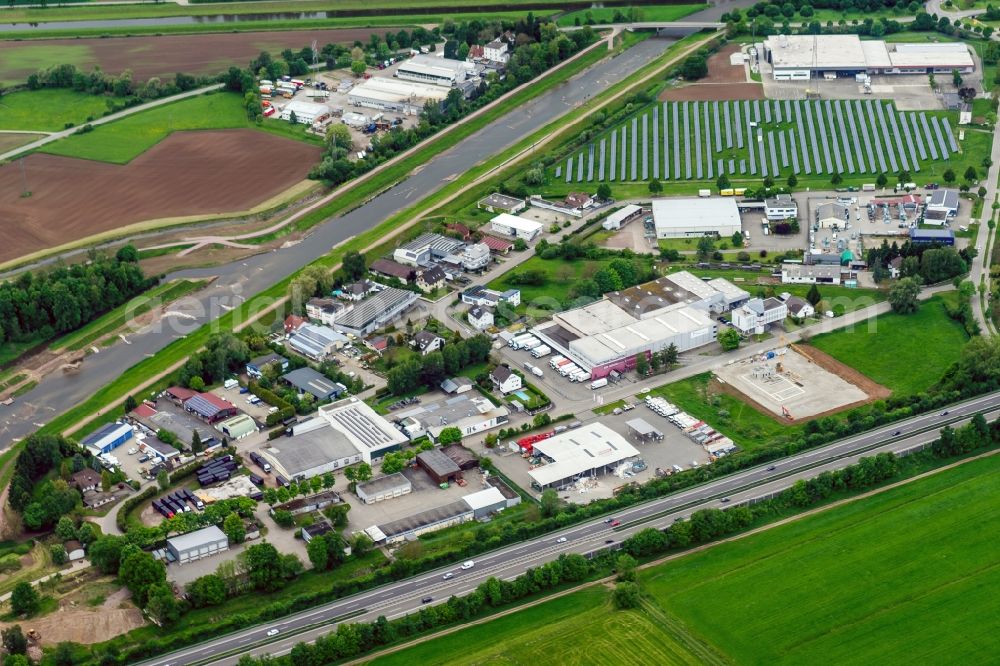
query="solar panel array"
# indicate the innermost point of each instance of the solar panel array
(702, 140)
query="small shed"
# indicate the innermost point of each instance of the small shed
(642, 430)
(486, 502)
(383, 488)
(74, 550)
(438, 466)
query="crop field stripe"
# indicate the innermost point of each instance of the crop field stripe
(677, 151)
(942, 146)
(930, 137)
(793, 150)
(708, 141)
(951, 137)
(803, 144)
(909, 141)
(918, 136)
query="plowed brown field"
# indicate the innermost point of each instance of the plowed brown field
(166, 55)
(724, 82)
(188, 173)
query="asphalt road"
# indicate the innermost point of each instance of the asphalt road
(397, 599)
(243, 279)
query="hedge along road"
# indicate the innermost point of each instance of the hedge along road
(241, 280)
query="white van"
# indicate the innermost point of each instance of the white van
(468, 564)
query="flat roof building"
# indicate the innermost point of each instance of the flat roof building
(383, 488)
(471, 413)
(307, 380)
(313, 449)
(317, 342)
(434, 70)
(516, 227)
(453, 513)
(588, 451)
(438, 466)
(107, 438)
(696, 216)
(940, 236)
(810, 273)
(305, 112)
(198, 544)
(621, 217)
(501, 203)
(370, 434)
(486, 502)
(397, 95)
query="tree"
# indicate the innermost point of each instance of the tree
(837, 179)
(24, 599)
(949, 175)
(549, 503)
(328, 480)
(881, 180)
(956, 78)
(813, 295)
(234, 528)
(162, 604)
(792, 181)
(626, 595)
(208, 590)
(196, 445)
(604, 192)
(353, 263)
(105, 480)
(695, 67)
(641, 364)
(670, 355)
(736, 239)
(722, 182)
(358, 67)
(162, 479)
(58, 553)
(63, 655)
(970, 173)
(139, 571)
(14, 641)
(196, 383)
(105, 553)
(65, 529)
(449, 435)
(130, 404)
(729, 338)
(706, 246)
(318, 555)
(655, 187)
(903, 296)
(625, 566)
(264, 567)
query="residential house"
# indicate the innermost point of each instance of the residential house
(484, 297)
(480, 318)
(74, 550)
(505, 379)
(501, 203)
(378, 344)
(431, 278)
(456, 385)
(426, 342)
(476, 257)
(359, 291)
(496, 51)
(307, 380)
(326, 310)
(293, 322)
(86, 479)
(579, 200)
(799, 307)
(460, 230)
(179, 395)
(255, 368)
(475, 53)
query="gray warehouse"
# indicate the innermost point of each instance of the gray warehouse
(314, 448)
(376, 311)
(383, 488)
(198, 544)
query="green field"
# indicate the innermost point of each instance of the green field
(49, 110)
(123, 140)
(902, 578)
(906, 353)
(580, 628)
(645, 13)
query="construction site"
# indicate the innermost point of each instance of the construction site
(798, 382)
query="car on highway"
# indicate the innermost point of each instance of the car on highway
(468, 564)
(771, 468)
(609, 541)
(448, 576)
(944, 413)
(725, 500)
(896, 433)
(608, 521)
(272, 632)
(561, 540)
(427, 600)
(615, 523)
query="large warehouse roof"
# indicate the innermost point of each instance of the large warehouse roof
(633, 338)
(198, 538)
(302, 453)
(579, 451)
(366, 430)
(816, 52)
(708, 214)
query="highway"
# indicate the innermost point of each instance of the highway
(241, 280)
(405, 596)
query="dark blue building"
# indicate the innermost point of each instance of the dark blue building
(939, 236)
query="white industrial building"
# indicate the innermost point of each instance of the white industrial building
(621, 217)
(832, 214)
(802, 57)
(313, 449)
(944, 202)
(388, 94)
(757, 314)
(383, 488)
(470, 413)
(794, 273)
(780, 207)
(369, 433)
(589, 451)
(376, 311)
(516, 227)
(305, 112)
(434, 70)
(198, 544)
(696, 216)
(476, 257)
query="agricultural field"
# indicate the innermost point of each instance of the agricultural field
(160, 56)
(188, 173)
(600, 15)
(751, 139)
(874, 587)
(581, 628)
(889, 352)
(49, 110)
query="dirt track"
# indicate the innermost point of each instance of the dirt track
(188, 173)
(724, 82)
(166, 55)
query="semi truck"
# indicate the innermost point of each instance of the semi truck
(598, 383)
(543, 350)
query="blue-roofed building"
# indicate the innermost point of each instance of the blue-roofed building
(928, 236)
(108, 438)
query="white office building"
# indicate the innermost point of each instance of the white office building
(370, 434)
(305, 112)
(434, 70)
(757, 314)
(780, 207)
(476, 257)
(516, 227)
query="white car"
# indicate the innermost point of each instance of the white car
(468, 565)
(561, 540)
(133, 451)
(272, 632)
(448, 576)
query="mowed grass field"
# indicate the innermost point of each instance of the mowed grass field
(123, 140)
(906, 577)
(646, 13)
(49, 110)
(581, 628)
(906, 353)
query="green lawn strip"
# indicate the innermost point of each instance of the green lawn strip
(890, 352)
(645, 13)
(736, 419)
(176, 352)
(112, 321)
(11, 351)
(560, 278)
(49, 110)
(875, 587)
